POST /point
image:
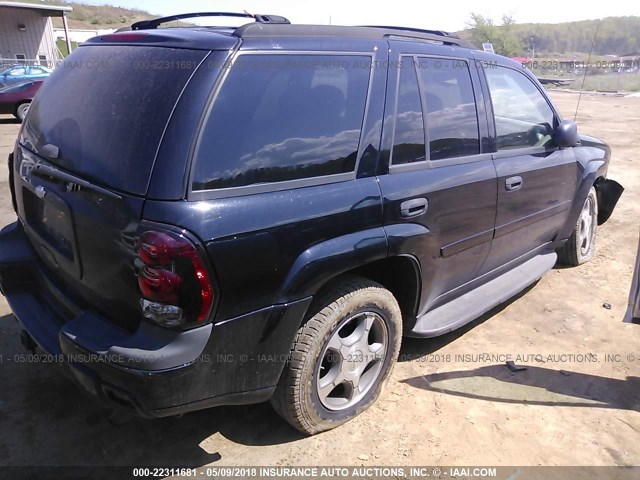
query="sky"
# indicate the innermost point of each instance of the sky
(438, 15)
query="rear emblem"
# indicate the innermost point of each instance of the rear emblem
(40, 191)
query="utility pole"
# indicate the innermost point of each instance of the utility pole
(533, 48)
(66, 32)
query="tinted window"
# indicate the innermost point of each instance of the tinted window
(106, 108)
(523, 116)
(17, 71)
(452, 122)
(283, 117)
(408, 137)
(36, 71)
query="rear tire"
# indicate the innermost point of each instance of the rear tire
(340, 357)
(21, 111)
(581, 244)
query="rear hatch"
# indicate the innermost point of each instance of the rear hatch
(83, 165)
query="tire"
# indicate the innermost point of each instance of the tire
(21, 111)
(581, 244)
(316, 391)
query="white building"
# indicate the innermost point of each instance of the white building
(80, 35)
(26, 32)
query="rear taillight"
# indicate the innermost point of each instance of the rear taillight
(173, 280)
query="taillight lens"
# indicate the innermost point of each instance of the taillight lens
(160, 285)
(173, 280)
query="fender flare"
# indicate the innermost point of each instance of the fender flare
(592, 171)
(326, 260)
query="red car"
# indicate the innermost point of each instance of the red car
(15, 99)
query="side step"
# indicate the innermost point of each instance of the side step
(470, 306)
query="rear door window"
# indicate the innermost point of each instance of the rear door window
(281, 117)
(452, 121)
(408, 135)
(106, 108)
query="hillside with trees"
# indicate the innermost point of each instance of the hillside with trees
(95, 17)
(615, 36)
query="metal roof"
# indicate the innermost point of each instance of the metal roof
(44, 10)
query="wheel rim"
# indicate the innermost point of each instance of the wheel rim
(587, 225)
(22, 110)
(352, 361)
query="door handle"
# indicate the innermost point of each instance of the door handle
(414, 207)
(513, 183)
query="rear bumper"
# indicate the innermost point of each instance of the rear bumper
(152, 371)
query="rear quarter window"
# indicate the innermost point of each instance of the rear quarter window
(283, 117)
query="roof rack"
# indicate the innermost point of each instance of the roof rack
(259, 18)
(369, 31)
(441, 33)
(432, 35)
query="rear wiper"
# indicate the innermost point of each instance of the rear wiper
(55, 173)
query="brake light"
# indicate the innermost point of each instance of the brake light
(160, 285)
(157, 248)
(173, 280)
(123, 37)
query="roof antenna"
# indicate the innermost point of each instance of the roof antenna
(593, 44)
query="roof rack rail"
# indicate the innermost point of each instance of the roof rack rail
(259, 18)
(441, 33)
(445, 37)
(435, 36)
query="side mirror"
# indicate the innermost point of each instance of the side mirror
(566, 135)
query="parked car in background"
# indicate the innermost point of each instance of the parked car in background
(20, 73)
(16, 99)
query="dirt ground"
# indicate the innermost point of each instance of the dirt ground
(572, 406)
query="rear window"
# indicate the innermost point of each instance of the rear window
(283, 117)
(106, 108)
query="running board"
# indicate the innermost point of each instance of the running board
(468, 307)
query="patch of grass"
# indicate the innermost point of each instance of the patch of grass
(615, 82)
(62, 46)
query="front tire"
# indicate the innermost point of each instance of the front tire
(340, 357)
(581, 244)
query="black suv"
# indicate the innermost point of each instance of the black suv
(212, 215)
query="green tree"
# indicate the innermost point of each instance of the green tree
(502, 37)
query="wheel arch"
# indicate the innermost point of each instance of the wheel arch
(364, 254)
(400, 275)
